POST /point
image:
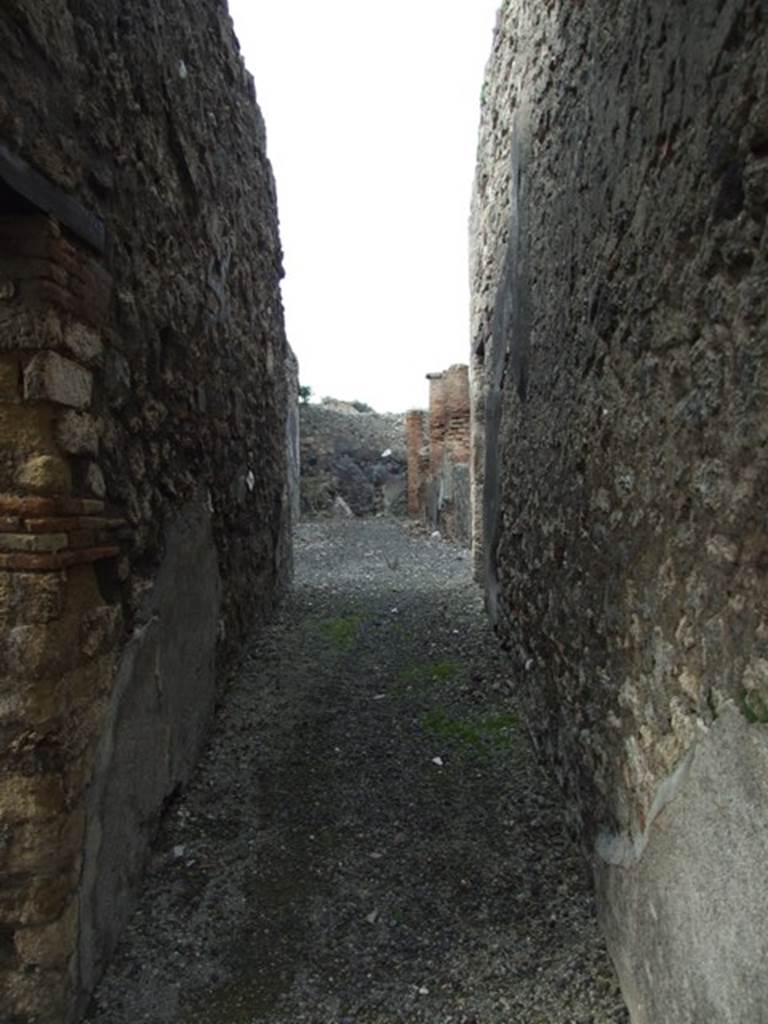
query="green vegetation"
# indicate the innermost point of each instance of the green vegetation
(754, 707)
(305, 393)
(342, 631)
(479, 735)
(428, 673)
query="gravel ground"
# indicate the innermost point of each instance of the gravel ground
(368, 838)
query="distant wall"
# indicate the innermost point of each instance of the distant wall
(620, 354)
(343, 455)
(439, 456)
(144, 500)
(293, 446)
(418, 459)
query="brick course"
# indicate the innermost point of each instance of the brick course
(49, 543)
(438, 453)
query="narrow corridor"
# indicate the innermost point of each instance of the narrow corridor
(368, 839)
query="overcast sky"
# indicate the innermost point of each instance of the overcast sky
(372, 112)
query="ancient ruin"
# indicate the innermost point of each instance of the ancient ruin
(604, 453)
(145, 504)
(352, 453)
(620, 276)
(439, 456)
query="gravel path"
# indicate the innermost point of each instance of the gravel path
(368, 839)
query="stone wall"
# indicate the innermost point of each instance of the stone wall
(293, 437)
(145, 504)
(417, 445)
(356, 456)
(620, 304)
(439, 456)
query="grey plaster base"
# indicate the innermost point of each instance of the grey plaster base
(161, 704)
(447, 501)
(686, 917)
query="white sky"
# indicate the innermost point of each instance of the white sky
(372, 112)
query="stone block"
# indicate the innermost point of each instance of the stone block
(40, 651)
(50, 945)
(31, 597)
(77, 433)
(52, 378)
(33, 541)
(84, 343)
(44, 847)
(31, 798)
(45, 474)
(36, 995)
(48, 896)
(36, 705)
(52, 524)
(25, 429)
(26, 329)
(41, 596)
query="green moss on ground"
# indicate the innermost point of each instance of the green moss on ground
(342, 631)
(482, 734)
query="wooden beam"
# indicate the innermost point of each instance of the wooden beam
(43, 195)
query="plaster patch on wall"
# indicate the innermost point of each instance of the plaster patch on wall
(684, 910)
(156, 723)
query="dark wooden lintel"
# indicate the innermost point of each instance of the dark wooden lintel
(35, 192)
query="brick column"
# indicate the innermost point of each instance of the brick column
(60, 634)
(456, 394)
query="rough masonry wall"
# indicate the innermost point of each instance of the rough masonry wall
(620, 374)
(343, 455)
(144, 500)
(439, 455)
(417, 445)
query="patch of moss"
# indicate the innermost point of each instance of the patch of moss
(483, 734)
(428, 673)
(754, 708)
(342, 631)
